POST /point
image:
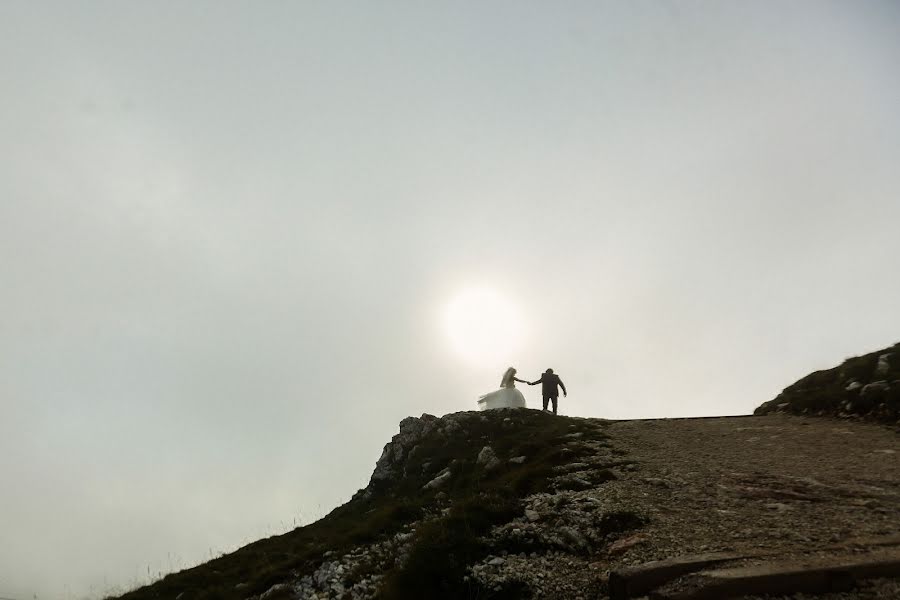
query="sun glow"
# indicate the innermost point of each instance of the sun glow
(484, 326)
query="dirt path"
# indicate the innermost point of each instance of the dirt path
(792, 486)
(774, 482)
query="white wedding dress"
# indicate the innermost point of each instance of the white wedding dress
(506, 397)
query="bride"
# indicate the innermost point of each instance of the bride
(507, 396)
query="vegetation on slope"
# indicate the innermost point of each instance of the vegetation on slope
(865, 386)
(476, 502)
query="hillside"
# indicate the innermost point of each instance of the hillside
(865, 387)
(517, 503)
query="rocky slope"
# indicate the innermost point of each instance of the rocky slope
(521, 504)
(861, 387)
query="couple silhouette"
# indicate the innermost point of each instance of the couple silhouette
(509, 397)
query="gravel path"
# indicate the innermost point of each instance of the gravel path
(778, 483)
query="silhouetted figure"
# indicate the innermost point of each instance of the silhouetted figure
(507, 396)
(550, 382)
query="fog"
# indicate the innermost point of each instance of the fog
(230, 232)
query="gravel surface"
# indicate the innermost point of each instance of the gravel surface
(782, 484)
(750, 483)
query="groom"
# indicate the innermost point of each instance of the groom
(549, 387)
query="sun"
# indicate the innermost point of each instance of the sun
(483, 326)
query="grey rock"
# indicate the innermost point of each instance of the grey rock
(488, 459)
(518, 460)
(496, 562)
(884, 364)
(572, 538)
(532, 515)
(874, 389)
(438, 481)
(853, 385)
(572, 482)
(278, 591)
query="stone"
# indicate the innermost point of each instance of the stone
(853, 385)
(573, 538)
(532, 515)
(277, 592)
(572, 482)
(876, 388)
(884, 364)
(657, 482)
(496, 562)
(624, 544)
(438, 481)
(488, 459)
(412, 430)
(518, 460)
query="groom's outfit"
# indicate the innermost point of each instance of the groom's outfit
(550, 384)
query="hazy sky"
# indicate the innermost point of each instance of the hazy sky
(237, 240)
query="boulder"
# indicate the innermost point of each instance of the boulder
(884, 364)
(438, 481)
(393, 457)
(487, 459)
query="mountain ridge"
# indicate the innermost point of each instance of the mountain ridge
(518, 503)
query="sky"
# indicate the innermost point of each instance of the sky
(239, 242)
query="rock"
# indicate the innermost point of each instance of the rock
(884, 364)
(438, 481)
(853, 385)
(277, 592)
(496, 562)
(876, 388)
(657, 482)
(573, 539)
(624, 544)
(572, 482)
(487, 459)
(518, 460)
(412, 430)
(532, 515)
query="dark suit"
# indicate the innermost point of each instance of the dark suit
(550, 384)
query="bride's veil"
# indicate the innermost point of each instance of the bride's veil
(508, 378)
